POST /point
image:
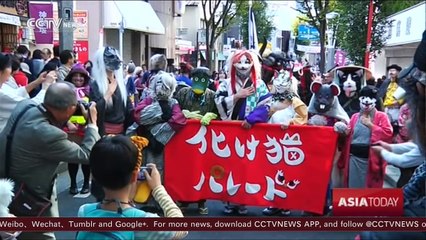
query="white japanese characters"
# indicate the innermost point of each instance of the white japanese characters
(42, 22)
(286, 150)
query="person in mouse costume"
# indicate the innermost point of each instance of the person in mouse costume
(325, 110)
(197, 102)
(245, 97)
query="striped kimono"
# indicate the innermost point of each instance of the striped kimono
(254, 109)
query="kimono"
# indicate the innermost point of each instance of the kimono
(383, 131)
(253, 109)
(148, 116)
(189, 101)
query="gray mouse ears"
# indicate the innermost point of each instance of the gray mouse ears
(112, 58)
(316, 87)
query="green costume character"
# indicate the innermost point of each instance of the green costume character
(197, 102)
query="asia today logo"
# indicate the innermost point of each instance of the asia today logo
(368, 202)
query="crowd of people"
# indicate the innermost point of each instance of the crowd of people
(113, 119)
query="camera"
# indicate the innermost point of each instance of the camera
(86, 106)
(141, 175)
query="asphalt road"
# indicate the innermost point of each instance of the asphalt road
(68, 207)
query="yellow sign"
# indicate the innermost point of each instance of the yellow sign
(268, 46)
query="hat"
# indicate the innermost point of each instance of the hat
(369, 91)
(420, 55)
(394, 66)
(25, 68)
(78, 68)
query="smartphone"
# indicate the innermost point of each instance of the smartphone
(141, 176)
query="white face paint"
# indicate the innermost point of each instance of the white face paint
(282, 82)
(243, 67)
(366, 103)
(349, 86)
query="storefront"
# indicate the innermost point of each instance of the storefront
(184, 50)
(12, 15)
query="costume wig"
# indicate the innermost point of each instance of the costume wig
(99, 72)
(158, 62)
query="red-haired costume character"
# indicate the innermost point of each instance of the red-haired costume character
(244, 96)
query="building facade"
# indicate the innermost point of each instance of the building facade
(405, 35)
(108, 17)
(13, 18)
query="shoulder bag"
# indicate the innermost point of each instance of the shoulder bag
(26, 202)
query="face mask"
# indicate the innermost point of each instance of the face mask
(200, 82)
(282, 82)
(367, 104)
(243, 67)
(111, 59)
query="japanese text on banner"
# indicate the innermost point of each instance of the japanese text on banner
(263, 166)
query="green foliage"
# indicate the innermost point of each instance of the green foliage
(391, 7)
(352, 28)
(264, 22)
(314, 13)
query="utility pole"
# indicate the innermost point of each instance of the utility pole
(369, 32)
(120, 32)
(66, 28)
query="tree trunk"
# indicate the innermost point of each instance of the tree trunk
(323, 27)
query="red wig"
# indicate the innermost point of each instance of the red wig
(235, 59)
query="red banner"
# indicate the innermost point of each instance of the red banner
(301, 224)
(263, 166)
(81, 47)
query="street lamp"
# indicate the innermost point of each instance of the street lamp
(332, 29)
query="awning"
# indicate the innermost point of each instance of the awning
(10, 19)
(137, 16)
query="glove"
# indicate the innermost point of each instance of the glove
(192, 115)
(166, 109)
(206, 119)
(340, 127)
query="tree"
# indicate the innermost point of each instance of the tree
(295, 29)
(264, 21)
(352, 30)
(315, 12)
(392, 7)
(219, 16)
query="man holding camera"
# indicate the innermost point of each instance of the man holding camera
(39, 144)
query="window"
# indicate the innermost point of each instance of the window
(398, 28)
(408, 26)
(390, 31)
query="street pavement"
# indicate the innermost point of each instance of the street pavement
(68, 207)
